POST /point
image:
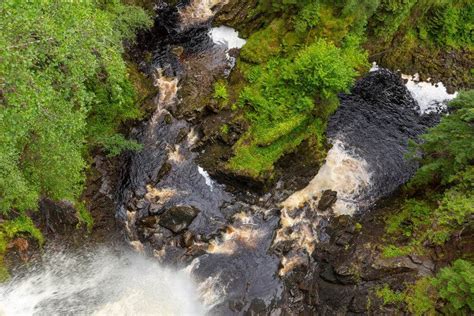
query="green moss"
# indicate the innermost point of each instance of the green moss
(392, 251)
(257, 161)
(289, 100)
(84, 216)
(389, 296)
(264, 44)
(9, 230)
(224, 129)
(421, 297)
(220, 92)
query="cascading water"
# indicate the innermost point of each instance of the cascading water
(102, 283)
(369, 133)
(230, 248)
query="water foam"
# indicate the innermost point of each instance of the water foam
(206, 177)
(199, 11)
(101, 283)
(342, 172)
(431, 97)
(224, 35)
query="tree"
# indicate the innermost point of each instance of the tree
(63, 87)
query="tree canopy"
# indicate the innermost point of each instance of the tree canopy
(63, 88)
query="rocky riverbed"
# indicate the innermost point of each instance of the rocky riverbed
(306, 243)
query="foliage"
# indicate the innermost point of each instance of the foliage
(451, 23)
(455, 285)
(288, 99)
(447, 163)
(64, 87)
(306, 53)
(84, 216)
(9, 230)
(220, 92)
(421, 297)
(389, 296)
(448, 147)
(265, 43)
(439, 23)
(21, 224)
(389, 16)
(392, 251)
(446, 166)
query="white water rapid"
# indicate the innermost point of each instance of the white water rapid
(199, 11)
(344, 173)
(227, 36)
(101, 283)
(431, 97)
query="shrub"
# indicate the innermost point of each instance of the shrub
(389, 296)
(220, 91)
(455, 285)
(421, 297)
(290, 99)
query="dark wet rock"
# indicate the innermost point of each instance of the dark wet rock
(149, 221)
(178, 218)
(163, 172)
(181, 135)
(257, 307)
(58, 217)
(159, 237)
(343, 239)
(335, 295)
(168, 119)
(236, 305)
(197, 249)
(327, 273)
(359, 303)
(283, 247)
(188, 239)
(171, 254)
(142, 204)
(328, 198)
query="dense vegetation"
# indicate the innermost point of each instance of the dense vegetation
(440, 205)
(450, 291)
(294, 68)
(442, 190)
(64, 89)
(290, 99)
(441, 22)
(279, 122)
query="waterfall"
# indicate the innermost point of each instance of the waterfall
(102, 283)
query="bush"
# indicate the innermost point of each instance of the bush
(444, 184)
(290, 99)
(421, 297)
(389, 296)
(455, 285)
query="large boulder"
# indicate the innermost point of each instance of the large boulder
(178, 218)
